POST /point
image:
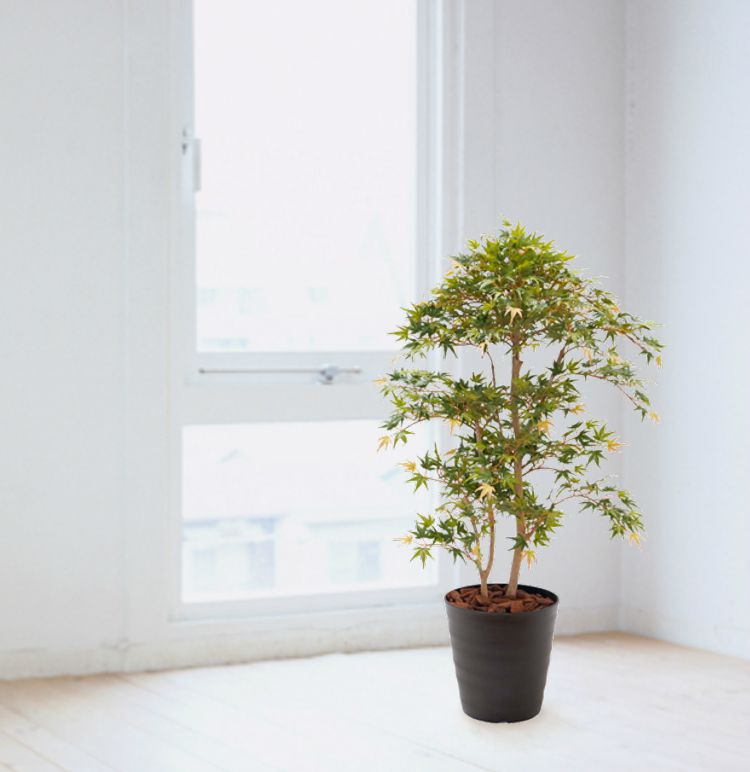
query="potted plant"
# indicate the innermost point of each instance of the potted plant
(521, 443)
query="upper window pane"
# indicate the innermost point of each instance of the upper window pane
(306, 220)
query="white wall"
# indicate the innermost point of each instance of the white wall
(544, 144)
(688, 265)
(85, 292)
(559, 167)
(87, 151)
(534, 74)
(63, 330)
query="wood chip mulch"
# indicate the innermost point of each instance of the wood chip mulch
(497, 603)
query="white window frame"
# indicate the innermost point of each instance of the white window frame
(206, 387)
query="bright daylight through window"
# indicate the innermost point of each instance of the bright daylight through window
(284, 508)
(306, 216)
(306, 244)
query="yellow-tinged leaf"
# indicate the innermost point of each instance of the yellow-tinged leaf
(588, 353)
(544, 425)
(529, 556)
(486, 491)
(408, 539)
(453, 424)
(614, 444)
(654, 417)
(384, 442)
(614, 359)
(380, 381)
(578, 409)
(634, 538)
(514, 312)
(658, 360)
(410, 466)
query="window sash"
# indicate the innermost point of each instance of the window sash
(216, 387)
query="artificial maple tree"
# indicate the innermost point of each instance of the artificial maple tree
(522, 442)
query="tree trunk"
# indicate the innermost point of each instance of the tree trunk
(484, 574)
(517, 466)
(483, 593)
(515, 570)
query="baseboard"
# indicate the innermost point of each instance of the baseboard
(224, 642)
(586, 619)
(229, 641)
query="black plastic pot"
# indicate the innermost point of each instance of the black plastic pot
(501, 659)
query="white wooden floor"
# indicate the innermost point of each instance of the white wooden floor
(614, 702)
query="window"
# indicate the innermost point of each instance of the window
(305, 228)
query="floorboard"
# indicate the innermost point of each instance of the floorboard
(614, 702)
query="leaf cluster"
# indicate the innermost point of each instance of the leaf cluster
(507, 295)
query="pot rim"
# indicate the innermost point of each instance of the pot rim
(525, 587)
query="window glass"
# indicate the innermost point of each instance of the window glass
(296, 508)
(306, 216)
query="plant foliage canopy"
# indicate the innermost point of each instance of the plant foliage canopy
(522, 442)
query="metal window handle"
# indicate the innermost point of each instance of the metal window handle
(327, 372)
(194, 147)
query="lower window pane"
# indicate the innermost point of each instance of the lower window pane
(296, 508)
